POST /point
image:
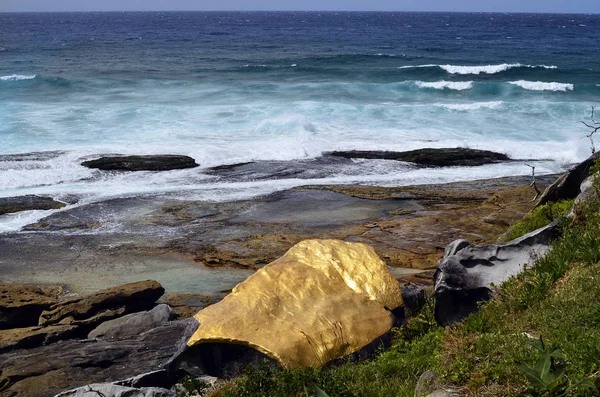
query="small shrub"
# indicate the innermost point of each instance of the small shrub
(193, 386)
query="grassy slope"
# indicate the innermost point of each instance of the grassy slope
(558, 299)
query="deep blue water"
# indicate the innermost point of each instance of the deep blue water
(228, 87)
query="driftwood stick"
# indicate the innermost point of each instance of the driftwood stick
(533, 183)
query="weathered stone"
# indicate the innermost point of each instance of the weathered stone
(48, 370)
(133, 324)
(568, 185)
(430, 157)
(30, 337)
(322, 300)
(427, 384)
(104, 305)
(141, 163)
(465, 275)
(589, 193)
(114, 390)
(9, 205)
(21, 305)
(413, 297)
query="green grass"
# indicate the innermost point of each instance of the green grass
(557, 299)
(539, 217)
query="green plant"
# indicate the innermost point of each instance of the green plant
(316, 392)
(546, 378)
(193, 386)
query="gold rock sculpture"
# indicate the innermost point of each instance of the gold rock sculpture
(322, 300)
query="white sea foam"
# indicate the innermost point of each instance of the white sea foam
(471, 106)
(483, 69)
(15, 77)
(542, 86)
(451, 85)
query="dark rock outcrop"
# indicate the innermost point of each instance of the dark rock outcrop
(142, 163)
(48, 370)
(430, 157)
(89, 311)
(568, 185)
(414, 298)
(466, 274)
(133, 324)
(9, 205)
(30, 337)
(21, 305)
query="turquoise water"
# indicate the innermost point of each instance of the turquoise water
(236, 87)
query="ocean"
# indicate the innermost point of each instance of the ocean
(284, 87)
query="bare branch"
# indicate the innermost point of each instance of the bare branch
(595, 127)
(537, 190)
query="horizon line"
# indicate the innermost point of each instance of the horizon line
(309, 11)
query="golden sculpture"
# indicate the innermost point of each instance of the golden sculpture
(322, 300)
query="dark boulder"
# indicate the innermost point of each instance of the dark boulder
(48, 370)
(568, 185)
(414, 298)
(9, 205)
(142, 163)
(430, 157)
(466, 274)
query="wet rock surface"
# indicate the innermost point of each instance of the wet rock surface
(141, 163)
(9, 205)
(206, 248)
(444, 157)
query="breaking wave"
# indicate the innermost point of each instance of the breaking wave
(542, 86)
(483, 69)
(451, 85)
(16, 77)
(471, 106)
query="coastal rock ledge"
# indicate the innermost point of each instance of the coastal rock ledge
(164, 162)
(9, 205)
(444, 157)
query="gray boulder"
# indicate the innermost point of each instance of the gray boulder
(466, 274)
(414, 298)
(589, 193)
(133, 324)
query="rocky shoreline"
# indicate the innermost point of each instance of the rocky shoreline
(103, 244)
(198, 251)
